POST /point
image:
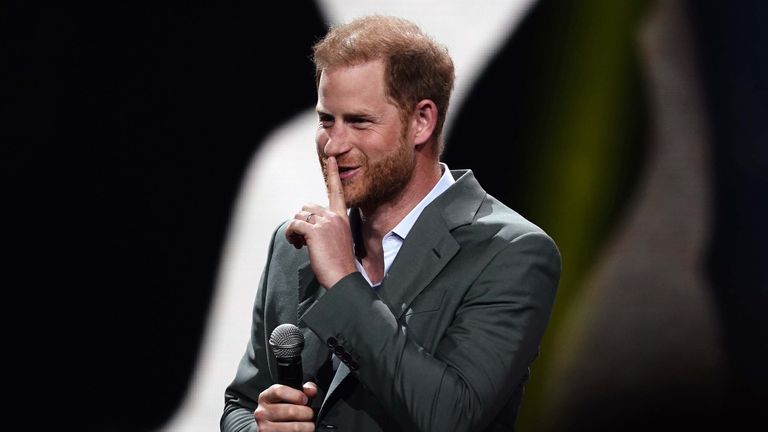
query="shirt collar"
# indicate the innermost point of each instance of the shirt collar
(404, 227)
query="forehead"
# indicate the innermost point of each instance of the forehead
(356, 86)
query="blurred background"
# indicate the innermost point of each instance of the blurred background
(150, 149)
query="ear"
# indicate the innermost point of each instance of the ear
(423, 121)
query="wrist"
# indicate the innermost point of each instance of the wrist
(333, 280)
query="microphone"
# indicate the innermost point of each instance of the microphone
(287, 341)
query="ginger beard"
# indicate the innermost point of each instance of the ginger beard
(380, 180)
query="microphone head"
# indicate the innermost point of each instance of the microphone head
(286, 341)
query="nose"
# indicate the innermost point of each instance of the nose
(334, 141)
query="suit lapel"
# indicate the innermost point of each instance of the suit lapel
(427, 249)
(430, 245)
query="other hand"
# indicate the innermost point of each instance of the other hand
(282, 408)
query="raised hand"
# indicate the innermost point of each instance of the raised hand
(326, 232)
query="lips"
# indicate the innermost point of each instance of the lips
(347, 172)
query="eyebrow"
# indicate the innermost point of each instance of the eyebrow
(349, 116)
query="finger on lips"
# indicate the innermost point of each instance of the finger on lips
(335, 191)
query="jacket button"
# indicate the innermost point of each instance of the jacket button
(327, 426)
(353, 365)
(339, 350)
(346, 358)
(332, 342)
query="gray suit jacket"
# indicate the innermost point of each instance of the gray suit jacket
(444, 345)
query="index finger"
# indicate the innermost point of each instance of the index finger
(336, 201)
(278, 393)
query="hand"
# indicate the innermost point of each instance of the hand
(326, 233)
(282, 408)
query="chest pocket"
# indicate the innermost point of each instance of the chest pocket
(426, 302)
(424, 319)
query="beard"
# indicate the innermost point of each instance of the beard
(380, 181)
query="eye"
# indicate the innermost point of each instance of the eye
(326, 121)
(360, 122)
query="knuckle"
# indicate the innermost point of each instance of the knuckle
(271, 393)
(297, 413)
(263, 397)
(260, 413)
(276, 390)
(291, 412)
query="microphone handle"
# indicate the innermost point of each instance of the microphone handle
(289, 372)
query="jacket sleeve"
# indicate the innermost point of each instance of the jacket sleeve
(252, 377)
(486, 350)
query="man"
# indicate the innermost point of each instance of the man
(421, 298)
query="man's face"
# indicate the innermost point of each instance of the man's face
(361, 127)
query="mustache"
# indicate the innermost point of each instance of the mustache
(349, 161)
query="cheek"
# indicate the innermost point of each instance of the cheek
(375, 141)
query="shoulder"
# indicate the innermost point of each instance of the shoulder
(469, 207)
(504, 221)
(493, 227)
